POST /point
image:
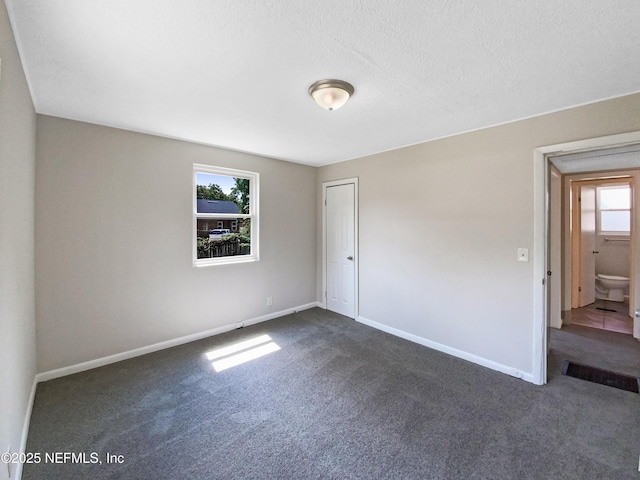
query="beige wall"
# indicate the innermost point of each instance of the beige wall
(17, 165)
(441, 222)
(113, 242)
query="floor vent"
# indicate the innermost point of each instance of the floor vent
(603, 377)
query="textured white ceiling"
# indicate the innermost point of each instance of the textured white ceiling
(235, 73)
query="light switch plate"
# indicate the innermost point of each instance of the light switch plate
(523, 254)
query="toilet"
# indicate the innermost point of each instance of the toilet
(611, 287)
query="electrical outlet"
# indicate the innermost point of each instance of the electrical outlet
(269, 301)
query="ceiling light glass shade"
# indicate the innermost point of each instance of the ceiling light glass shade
(331, 94)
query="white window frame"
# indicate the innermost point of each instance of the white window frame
(254, 179)
(599, 210)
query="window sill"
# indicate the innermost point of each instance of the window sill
(209, 262)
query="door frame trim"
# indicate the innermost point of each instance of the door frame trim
(325, 185)
(540, 244)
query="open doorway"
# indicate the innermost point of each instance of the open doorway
(600, 212)
(552, 266)
(595, 244)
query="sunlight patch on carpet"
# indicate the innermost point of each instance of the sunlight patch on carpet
(241, 352)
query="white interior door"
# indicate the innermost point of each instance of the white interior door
(587, 246)
(340, 256)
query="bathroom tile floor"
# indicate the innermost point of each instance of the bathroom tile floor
(614, 321)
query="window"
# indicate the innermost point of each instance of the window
(225, 216)
(614, 210)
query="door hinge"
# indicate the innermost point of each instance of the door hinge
(579, 289)
(543, 281)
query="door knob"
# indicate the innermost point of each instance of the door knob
(596, 251)
(349, 257)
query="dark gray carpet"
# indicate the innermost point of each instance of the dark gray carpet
(613, 351)
(339, 400)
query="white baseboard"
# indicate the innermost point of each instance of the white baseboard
(25, 428)
(449, 350)
(99, 362)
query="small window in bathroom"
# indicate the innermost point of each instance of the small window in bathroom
(614, 210)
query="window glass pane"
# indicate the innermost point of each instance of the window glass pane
(214, 241)
(616, 198)
(222, 193)
(225, 202)
(615, 221)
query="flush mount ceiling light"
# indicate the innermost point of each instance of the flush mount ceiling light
(331, 94)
